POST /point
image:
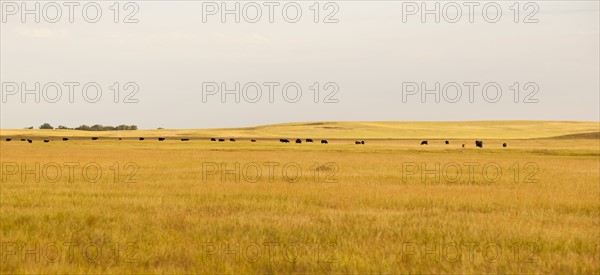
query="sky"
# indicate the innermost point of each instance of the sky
(180, 64)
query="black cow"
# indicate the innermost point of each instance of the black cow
(504, 144)
(309, 140)
(298, 140)
(141, 138)
(213, 139)
(463, 145)
(479, 143)
(447, 142)
(357, 142)
(46, 140)
(232, 139)
(424, 142)
(253, 140)
(324, 141)
(8, 139)
(362, 142)
(120, 138)
(65, 139)
(23, 139)
(94, 138)
(161, 139)
(185, 139)
(283, 140)
(221, 140)
(30, 141)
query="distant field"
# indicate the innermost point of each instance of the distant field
(355, 130)
(389, 206)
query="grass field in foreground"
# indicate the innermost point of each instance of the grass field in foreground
(389, 206)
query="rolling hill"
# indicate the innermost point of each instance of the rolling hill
(356, 130)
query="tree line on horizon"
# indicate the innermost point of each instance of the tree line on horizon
(97, 127)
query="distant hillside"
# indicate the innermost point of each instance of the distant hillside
(358, 130)
(592, 135)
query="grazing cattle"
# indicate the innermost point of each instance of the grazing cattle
(161, 139)
(213, 139)
(479, 143)
(309, 140)
(94, 138)
(65, 139)
(283, 140)
(8, 139)
(253, 140)
(324, 141)
(120, 138)
(46, 141)
(232, 139)
(424, 142)
(504, 144)
(30, 141)
(141, 138)
(185, 139)
(463, 145)
(221, 140)
(447, 142)
(23, 139)
(362, 142)
(298, 141)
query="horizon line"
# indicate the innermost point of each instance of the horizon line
(336, 121)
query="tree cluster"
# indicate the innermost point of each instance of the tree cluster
(96, 127)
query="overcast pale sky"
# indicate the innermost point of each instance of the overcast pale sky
(370, 57)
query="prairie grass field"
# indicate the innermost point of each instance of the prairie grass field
(388, 206)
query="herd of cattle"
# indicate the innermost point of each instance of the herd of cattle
(283, 140)
(478, 143)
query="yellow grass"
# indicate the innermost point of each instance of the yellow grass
(364, 213)
(355, 130)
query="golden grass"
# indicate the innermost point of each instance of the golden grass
(364, 214)
(354, 130)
